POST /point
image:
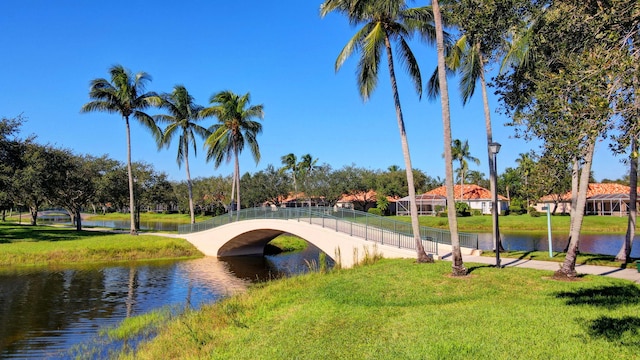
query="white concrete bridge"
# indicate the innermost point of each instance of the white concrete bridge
(344, 235)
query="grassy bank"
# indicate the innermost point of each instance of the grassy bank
(396, 309)
(22, 245)
(526, 223)
(148, 217)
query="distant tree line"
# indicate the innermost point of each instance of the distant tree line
(34, 176)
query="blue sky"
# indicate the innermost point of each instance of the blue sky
(281, 52)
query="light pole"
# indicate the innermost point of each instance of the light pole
(494, 148)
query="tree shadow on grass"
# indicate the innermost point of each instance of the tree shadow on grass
(609, 297)
(18, 233)
(624, 330)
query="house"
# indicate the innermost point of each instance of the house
(435, 200)
(364, 200)
(602, 199)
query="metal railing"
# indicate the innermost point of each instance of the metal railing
(355, 223)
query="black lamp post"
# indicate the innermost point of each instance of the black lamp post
(494, 148)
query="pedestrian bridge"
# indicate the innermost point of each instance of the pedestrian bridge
(345, 235)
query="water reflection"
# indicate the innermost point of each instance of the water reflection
(45, 312)
(605, 244)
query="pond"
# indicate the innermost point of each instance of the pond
(48, 313)
(604, 244)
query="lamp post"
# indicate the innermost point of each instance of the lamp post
(494, 148)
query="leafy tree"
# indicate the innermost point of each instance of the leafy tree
(234, 129)
(325, 185)
(182, 117)
(384, 22)
(561, 93)
(10, 157)
(266, 186)
(78, 181)
(124, 94)
(41, 174)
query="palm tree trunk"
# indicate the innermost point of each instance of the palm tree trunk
(236, 170)
(625, 250)
(130, 173)
(189, 185)
(415, 225)
(458, 268)
(568, 269)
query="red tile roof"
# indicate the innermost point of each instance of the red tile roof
(370, 195)
(593, 190)
(469, 192)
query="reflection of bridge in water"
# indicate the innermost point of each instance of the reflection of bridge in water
(343, 234)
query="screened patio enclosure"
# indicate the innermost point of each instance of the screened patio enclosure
(428, 204)
(608, 204)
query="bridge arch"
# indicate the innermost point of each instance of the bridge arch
(249, 237)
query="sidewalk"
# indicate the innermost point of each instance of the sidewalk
(631, 273)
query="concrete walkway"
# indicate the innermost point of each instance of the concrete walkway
(630, 273)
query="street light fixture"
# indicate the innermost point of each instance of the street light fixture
(494, 148)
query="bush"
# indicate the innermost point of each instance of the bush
(476, 212)
(375, 211)
(517, 210)
(443, 214)
(462, 209)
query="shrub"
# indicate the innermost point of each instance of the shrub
(462, 209)
(476, 212)
(375, 211)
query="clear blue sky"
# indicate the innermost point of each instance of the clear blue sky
(281, 52)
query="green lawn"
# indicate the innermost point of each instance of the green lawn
(397, 309)
(525, 223)
(23, 245)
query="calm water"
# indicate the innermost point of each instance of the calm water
(45, 313)
(605, 244)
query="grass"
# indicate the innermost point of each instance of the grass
(525, 223)
(22, 245)
(582, 259)
(149, 217)
(289, 243)
(397, 309)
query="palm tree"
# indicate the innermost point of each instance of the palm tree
(290, 162)
(234, 129)
(124, 94)
(460, 153)
(182, 117)
(306, 166)
(384, 22)
(457, 267)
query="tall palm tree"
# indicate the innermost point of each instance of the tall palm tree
(234, 129)
(384, 22)
(290, 163)
(460, 153)
(307, 165)
(457, 267)
(124, 94)
(182, 117)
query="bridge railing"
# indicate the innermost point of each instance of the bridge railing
(355, 223)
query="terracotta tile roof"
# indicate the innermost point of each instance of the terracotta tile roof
(469, 192)
(370, 195)
(593, 190)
